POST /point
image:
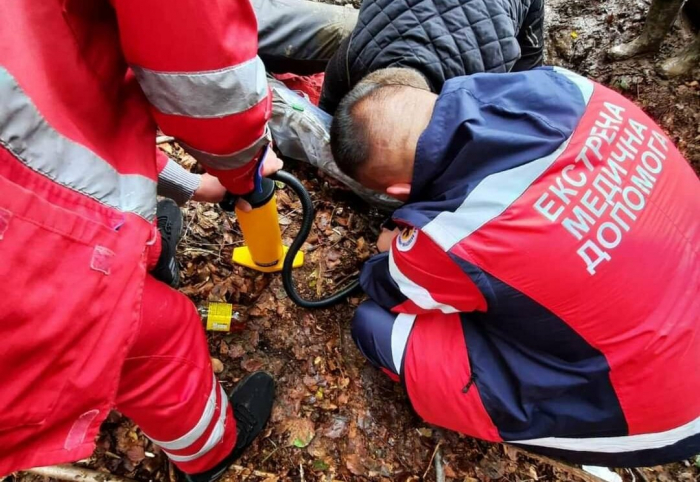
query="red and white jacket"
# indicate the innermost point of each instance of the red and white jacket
(551, 243)
(83, 84)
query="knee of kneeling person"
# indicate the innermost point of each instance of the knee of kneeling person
(371, 324)
(361, 325)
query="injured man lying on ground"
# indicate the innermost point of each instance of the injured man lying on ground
(543, 285)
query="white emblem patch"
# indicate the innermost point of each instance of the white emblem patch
(406, 239)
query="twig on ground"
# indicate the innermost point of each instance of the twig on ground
(344, 279)
(639, 473)
(257, 473)
(439, 468)
(335, 208)
(345, 237)
(80, 474)
(266, 475)
(164, 139)
(225, 245)
(74, 473)
(199, 251)
(570, 470)
(430, 462)
(321, 272)
(272, 452)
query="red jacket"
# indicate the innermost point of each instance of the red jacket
(552, 244)
(78, 181)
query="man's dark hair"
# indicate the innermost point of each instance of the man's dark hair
(350, 136)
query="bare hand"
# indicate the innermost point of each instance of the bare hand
(210, 190)
(386, 238)
(271, 165)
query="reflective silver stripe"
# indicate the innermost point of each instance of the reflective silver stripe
(488, 200)
(214, 438)
(415, 292)
(206, 94)
(622, 444)
(26, 134)
(200, 427)
(403, 324)
(235, 160)
(585, 86)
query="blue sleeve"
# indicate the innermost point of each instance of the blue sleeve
(377, 282)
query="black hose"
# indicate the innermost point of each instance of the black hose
(307, 207)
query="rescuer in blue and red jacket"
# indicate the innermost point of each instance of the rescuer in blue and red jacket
(545, 287)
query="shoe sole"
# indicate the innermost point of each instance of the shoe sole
(177, 223)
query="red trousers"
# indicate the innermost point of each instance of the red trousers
(167, 385)
(85, 329)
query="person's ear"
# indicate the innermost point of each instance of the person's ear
(400, 191)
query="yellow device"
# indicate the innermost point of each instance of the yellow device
(263, 248)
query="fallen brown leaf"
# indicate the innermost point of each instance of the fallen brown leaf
(354, 464)
(251, 364)
(300, 431)
(336, 429)
(236, 351)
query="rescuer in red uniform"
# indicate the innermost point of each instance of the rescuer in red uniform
(545, 287)
(84, 327)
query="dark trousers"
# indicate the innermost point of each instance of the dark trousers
(381, 336)
(300, 36)
(531, 39)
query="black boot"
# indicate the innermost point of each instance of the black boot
(660, 18)
(170, 227)
(251, 401)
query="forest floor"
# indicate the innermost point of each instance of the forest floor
(335, 417)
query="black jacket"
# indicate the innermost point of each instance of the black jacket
(440, 38)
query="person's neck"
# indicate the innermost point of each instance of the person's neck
(421, 122)
(422, 119)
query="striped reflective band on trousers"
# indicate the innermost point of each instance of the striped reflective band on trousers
(27, 135)
(493, 195)
(217, 396)
(403, 324)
